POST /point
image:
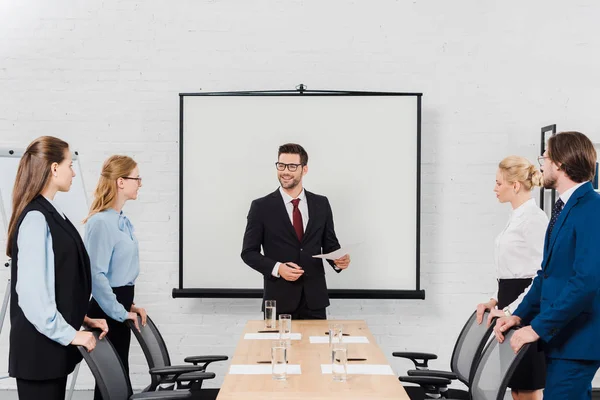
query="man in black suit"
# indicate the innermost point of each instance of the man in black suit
(292, 224)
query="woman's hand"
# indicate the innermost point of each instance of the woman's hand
(97, 324)
(85, 339)
(141, 312)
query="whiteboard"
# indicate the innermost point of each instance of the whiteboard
(73, 203)
(363, 155)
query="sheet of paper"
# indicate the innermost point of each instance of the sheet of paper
(348, 249)
(345, 339)
(261, 369)
(270, 336)
(362, 369)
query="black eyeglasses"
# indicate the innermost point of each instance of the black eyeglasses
(138, 179)
(291, 167)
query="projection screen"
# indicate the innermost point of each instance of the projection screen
(364, 156)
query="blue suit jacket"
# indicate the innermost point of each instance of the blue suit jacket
(563, 304)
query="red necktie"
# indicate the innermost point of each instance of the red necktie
(297, 219)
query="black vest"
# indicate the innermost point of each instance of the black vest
(32, 355)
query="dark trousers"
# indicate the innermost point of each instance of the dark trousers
(118, 333)
(303, 312)
(569, 379)
(51, 389)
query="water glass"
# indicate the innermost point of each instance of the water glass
(279, 360)
(335, 334)
(285, 328)
(270, 314)
(339, 362)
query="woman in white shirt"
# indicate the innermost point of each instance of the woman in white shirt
(518, 256)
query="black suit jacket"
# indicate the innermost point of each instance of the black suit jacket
(269, 226)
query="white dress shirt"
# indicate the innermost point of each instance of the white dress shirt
(520, 246)
(302, 206)
(568, 193)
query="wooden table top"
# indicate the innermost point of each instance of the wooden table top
(311, 383)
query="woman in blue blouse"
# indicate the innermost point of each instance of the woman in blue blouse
(114, 253)
(50, 285)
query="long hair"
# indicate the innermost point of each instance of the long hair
(32, 178)
(114, 167)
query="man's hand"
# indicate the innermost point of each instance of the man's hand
(503, 324)
(290, 271)
(342, 262)
(97, 324)
(523, 336)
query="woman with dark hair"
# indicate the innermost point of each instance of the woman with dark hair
(51, 280)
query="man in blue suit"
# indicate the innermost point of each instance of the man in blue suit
(562, 308)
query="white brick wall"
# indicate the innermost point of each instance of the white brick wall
(104, 75)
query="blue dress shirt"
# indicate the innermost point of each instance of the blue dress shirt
(35, 278)
(114, 258)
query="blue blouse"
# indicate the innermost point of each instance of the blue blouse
(35, 278)
(114, 258)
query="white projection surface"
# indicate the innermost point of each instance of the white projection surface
(363, 155)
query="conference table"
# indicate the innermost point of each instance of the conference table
(249, 375)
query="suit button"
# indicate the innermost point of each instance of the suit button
(545, 276)
(301, 249)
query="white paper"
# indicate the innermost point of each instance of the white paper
(362, 369)
(261, 369)
(345, 339)
(334, 255)
(270, 336)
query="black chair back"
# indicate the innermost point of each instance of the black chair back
(153, 346)
(108, 370)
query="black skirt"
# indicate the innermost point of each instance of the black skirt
(531, 371)
(118, 333)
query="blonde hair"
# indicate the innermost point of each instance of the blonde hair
(519, 169)
(114, 167)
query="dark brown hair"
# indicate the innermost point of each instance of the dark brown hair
(293, 148)
(33, 176)
(575, 154)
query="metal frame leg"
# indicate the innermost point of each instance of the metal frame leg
(73, 380)
(3, 313)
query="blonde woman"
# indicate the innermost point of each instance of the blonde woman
(50, 285)
(114, 254)
(519, 251)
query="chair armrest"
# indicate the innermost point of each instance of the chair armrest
(429, 383)
(415, 357)
(175, 371)
(432, 372)
(204, 359)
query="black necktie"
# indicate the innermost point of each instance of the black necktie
(558, 206)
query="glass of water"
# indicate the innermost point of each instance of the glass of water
(285, 328)
(279, 359)
(270, 314)
(335, 334)
(339, 362)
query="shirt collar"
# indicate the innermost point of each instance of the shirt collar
(288, 199)
(568, 193)
(517, 212)
(53, 204)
